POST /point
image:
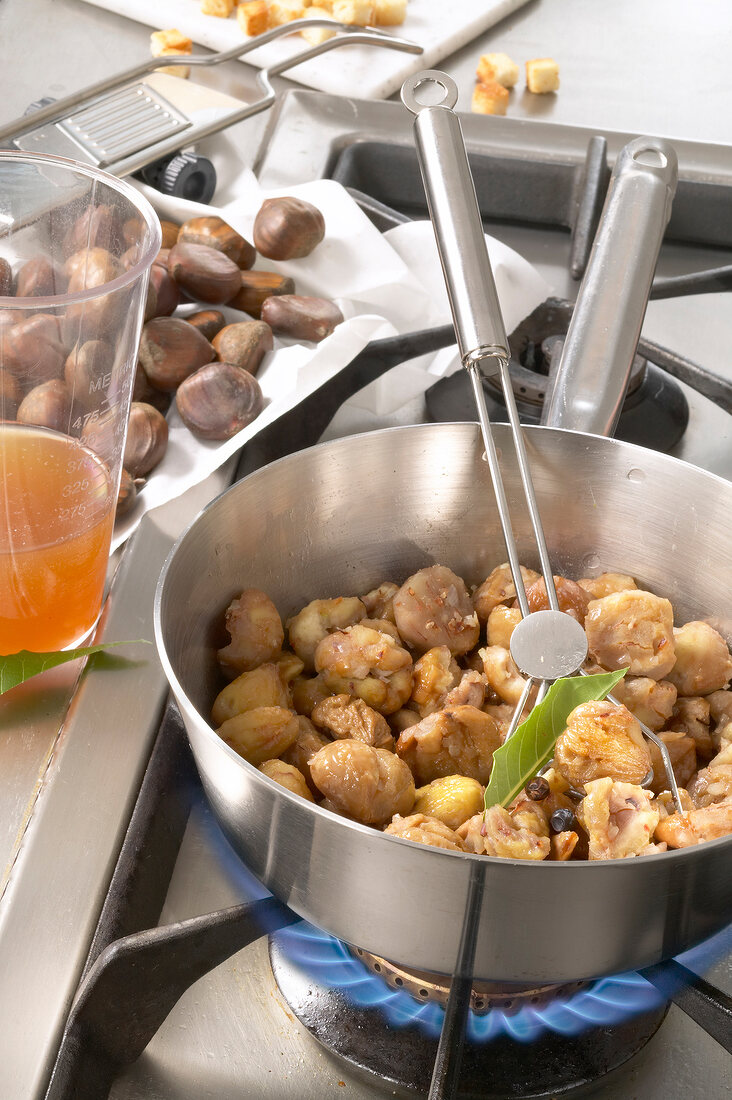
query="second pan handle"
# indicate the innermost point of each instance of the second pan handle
(606, 322)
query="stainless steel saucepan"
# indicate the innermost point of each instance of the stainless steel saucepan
(341, 517)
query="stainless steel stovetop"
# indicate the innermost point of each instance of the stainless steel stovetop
(232, 1035)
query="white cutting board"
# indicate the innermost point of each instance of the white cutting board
(366, 72)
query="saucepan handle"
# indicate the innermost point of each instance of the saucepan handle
(603, 334)
(430, 96)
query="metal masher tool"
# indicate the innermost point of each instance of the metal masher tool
(547, 644)
(122, 124)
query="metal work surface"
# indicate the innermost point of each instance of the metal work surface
(68, 782)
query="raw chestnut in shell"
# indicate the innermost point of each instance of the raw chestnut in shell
(142, 390)
(97, 227)
(6, 278)
(207, 321)
(170, 231)
(204, 273)
(39, 278)
(170, 350)
(216, 233)
(167, 294)
(147, 439)
(47, 405)
(219, 400)
(88, 371)
(244, 344)
(258, 285)
(33, 349)
(127, 495)
(287, 228)
(86, 258)
(10, 395)
(301, 317)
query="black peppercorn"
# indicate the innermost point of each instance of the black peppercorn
(561, 821)
(537, 789)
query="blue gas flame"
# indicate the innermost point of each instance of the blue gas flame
(606, 1002)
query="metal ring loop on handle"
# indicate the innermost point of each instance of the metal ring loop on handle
(433, 80)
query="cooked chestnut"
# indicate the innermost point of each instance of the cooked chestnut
(287, 228)
(33, 348)
(48, 405)
(38, 278)
(219, 400)
(167, 294)
(215, 233)
(244, 344)
(147, 439)
(203, 272)
(207, 321)
(88, 371)
(256, 286)
(6, 277)
(170, 350)
(301, 317)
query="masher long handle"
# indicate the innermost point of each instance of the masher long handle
(455, 216)
(430, 96)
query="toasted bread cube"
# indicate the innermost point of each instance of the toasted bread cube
(162, 42)
(222, 9)
(489, 99)
(284, 11)
(253, 16)
(389, 13)
(542, 75)
(171, 43)
(497, 68)
(357, 13)
(316, 35)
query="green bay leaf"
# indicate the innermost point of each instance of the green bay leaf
(18, 667)
(520, 758)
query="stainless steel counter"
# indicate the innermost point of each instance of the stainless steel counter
(68, 776)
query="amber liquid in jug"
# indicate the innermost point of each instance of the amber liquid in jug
(57, 509)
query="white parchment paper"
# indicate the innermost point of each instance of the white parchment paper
(384, 284)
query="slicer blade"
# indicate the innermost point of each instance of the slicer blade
(110, 128)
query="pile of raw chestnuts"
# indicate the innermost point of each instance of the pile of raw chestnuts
(205, 365)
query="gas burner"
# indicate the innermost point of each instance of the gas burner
(521, 1042)
(655, 413)
(485, 996)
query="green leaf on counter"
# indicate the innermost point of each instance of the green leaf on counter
(17, 667)
(520, 758)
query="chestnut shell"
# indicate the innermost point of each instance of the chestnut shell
(219, 400)
(203, 272)
(287, 228)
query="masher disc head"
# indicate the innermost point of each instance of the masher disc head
(548, 644)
